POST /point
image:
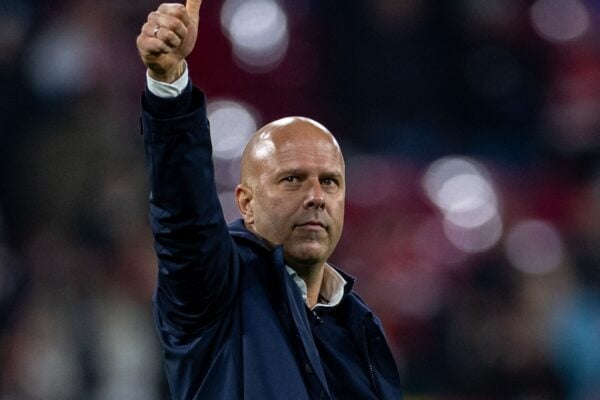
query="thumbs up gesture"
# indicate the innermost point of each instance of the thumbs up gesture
(168, 37)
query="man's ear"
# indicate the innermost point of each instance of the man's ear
(243, 199)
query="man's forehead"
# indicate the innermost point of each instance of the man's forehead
(307, 158)
(291, 139)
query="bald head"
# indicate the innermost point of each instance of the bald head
(292, 189)
(283, 135)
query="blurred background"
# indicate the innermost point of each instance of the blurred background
(471, 130)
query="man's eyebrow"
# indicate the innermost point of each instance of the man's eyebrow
(300, 171)
(291, 171)
(334, 174)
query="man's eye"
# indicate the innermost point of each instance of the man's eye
(329, 182)
(290, 179)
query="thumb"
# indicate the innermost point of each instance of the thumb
(193, 9)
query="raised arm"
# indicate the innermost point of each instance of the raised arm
(197, 266)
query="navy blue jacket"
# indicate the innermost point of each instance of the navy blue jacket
(231, 320)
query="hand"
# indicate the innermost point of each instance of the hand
(167, 38)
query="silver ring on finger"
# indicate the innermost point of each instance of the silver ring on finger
(155, 32)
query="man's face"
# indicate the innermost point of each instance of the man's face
(298, 191)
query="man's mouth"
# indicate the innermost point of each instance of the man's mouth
(316, 225)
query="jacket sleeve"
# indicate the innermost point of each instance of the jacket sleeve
(198, 271)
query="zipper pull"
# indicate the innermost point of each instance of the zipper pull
(319, 320)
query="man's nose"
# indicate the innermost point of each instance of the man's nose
(315, 197)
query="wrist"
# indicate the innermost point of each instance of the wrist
(169, 76)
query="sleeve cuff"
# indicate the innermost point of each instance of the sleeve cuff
(168, 90)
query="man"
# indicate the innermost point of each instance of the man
(253, 310)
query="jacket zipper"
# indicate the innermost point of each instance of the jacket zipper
(370, 364)
(317, 318)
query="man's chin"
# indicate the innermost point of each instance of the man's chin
(306, 255)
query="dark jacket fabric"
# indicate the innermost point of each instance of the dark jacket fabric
(231, 320)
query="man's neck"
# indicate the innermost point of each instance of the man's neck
(313, 277)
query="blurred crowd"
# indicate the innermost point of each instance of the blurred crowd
(472, 138)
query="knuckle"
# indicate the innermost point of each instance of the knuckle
(174, 27)
(180, 30)
(174, 9)
(170, 37)
(174, 38)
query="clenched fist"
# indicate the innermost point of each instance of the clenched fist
(168, 37)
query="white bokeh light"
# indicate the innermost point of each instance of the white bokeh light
(443, 169)
(231, 124)
(534, 247)
(462, 190)
(559, 20)
(468, 200)
(258, 31)
(476, 239)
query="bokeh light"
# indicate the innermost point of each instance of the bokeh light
(560, 20)
(475, 239)
(258, 31)
(534, 247)
(232, 124)
(443, 169)
(462, 190)
(467, 200)
(59, 61)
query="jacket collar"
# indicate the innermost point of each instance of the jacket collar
(238, 229)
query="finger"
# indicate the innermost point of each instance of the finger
(167, 22)
(151, 46)
(193, 9)
(176, 10)
(169, 37)
(166, 35)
